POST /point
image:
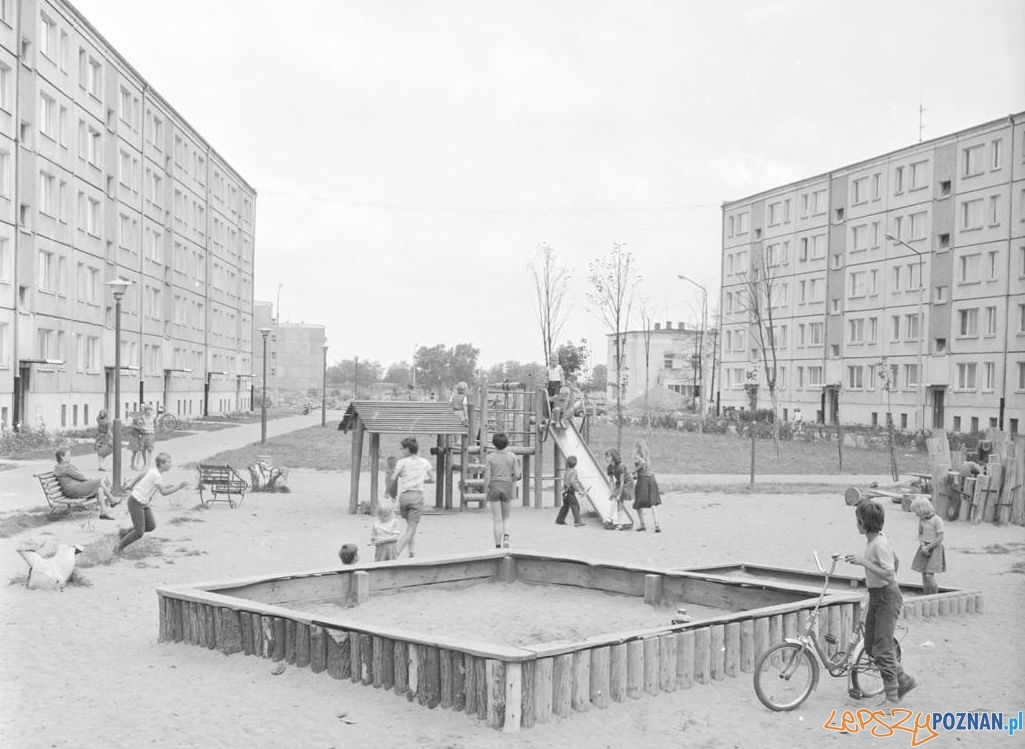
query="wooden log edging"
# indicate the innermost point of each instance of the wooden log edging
(508, 694)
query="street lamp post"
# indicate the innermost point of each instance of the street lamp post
(323, 392)
(701, 340)
(118, 286)
(264, 332)
(921, 323)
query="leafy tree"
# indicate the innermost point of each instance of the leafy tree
(438, 366)
(551, 283)
(399, 374)
(613, 279)
(572, 358)
(599, 378)
(515, 371)
(344, 371)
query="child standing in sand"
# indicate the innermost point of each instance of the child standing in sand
(646, 493)
(571, 488)
(930, 557)
(501, 472)
(142, 489)
(622, 487)
(385, 535)
(884, 599)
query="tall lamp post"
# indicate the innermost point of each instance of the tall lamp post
(264, 332)
(323, 392)
(921, 322)
(118, 287)
(701, 339)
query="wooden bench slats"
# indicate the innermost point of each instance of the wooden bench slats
(59, 504)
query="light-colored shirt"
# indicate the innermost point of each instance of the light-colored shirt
(555, 373)
(502, 466)
(878, 550)
(930, 528)
(411, 473)
(572, 481)
(385, 530)
(144, 490)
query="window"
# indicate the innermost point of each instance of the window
(47, 116)
(941, 295)
(873, 282)
(943, 241)
(895, 328)
(802, 251)
(988, 376)
(743, 220)
(1021, 382)
(991, 264)
(911, 325)
(910, 375)
(94, 78)
(6, 261)
(45, 279)
(856, 284)
(994, 210)
(898, 180)
(873, 329)
(917, 225)
(859, 191)
(154, 245)
(45, 348)
(895, 277)
(859, 238)
(6, 86)
(966, 376)
(775, 213)
(817, 247)
(818, 202)
(1021, 260)
(995, 154)
(855, 331)
(945, 188)
(47, 194)
(971, 214)
(48, 37)
(968, 322)
(815, 376)
(969, 268)
(1021, 318)
(918, 175)
(815, 333)
(855, 377)
(667, 361)
(971, 160)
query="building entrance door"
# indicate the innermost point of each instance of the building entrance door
(938, 397)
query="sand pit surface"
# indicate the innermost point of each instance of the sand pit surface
(507, 613)
(83, 668)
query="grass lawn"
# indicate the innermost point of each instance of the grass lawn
(671, 452)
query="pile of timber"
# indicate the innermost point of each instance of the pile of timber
(994, 496)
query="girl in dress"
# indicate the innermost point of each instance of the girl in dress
(930, 557)
(646, 493)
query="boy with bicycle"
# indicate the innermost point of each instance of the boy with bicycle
(884, 602)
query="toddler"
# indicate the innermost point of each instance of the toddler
(459, 402)
(562, 407)
(349, 553)
(385, 535)
(930, 557)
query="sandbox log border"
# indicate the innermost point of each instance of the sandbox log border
(512, 687)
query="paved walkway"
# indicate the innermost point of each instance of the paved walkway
(19, 489)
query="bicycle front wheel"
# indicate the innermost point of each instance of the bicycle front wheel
(865, 676)
(169, 422)
(785, 676)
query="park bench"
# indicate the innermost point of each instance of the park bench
(221, 479)
(59, 504)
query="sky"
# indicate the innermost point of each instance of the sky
(411, 156)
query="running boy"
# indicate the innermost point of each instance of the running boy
(142, 489)
(884, 599)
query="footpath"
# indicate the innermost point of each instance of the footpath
(19, 489)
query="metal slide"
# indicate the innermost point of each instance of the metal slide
(591, 471)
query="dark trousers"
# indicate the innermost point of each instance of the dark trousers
(884, 605)
(142, 522)
(569, 502)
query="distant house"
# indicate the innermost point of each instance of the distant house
(668, 357)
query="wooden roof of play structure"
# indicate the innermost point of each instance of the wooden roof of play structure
(402, 417)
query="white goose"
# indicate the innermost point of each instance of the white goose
(50, 572)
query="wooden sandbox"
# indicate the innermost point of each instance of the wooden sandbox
(513, 686)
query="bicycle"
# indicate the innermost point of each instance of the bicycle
(788, 673)
(166, 421)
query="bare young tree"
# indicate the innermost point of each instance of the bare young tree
(551, 284)
(644, 309)
(763, 293)
(613, 279)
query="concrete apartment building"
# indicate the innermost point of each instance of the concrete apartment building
(295, 354)
(101, 178)
(927, 323)
(671, 361)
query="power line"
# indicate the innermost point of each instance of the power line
(468, 209)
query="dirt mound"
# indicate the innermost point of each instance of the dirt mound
(659, 399)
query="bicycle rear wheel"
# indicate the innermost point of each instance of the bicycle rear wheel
(865, 676)
(785, 676)
(168, 421)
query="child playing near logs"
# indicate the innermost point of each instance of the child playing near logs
(142, 489)
(385, 535)
(622, 487)
(884, 599)
(930, 557)
(459, 401)
(571, 487)
(646, 492)
(349, 554)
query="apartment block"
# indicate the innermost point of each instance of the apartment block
(101, 178)
(892, 286)
(295, 355)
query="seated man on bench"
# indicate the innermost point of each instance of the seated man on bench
(76, 486)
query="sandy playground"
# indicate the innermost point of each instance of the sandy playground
(83, 668)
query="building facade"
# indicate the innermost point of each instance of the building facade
(895, 285)
(295, 355)
(100, 178)
(677, 359)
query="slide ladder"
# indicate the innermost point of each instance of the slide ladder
(591, 471)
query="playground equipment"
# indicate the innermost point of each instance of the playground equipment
(519, 409)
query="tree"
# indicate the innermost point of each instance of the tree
(438, 366)
(399, 374)
(344, 371)
(613, 279)
(572, 358)
(515, 371)
(551, 283)
(763, 293)
(646, 334)
(599, 378)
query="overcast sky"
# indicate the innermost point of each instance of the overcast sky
(409, 157)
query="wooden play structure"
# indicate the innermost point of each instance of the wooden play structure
(521, 410)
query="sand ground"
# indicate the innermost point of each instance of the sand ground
(83, 667)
